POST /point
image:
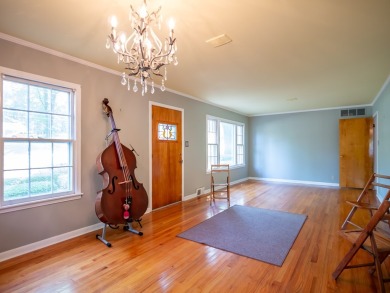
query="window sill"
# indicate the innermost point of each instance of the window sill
(231, 168)
(43, 202)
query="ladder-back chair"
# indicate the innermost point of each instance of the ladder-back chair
(375, 243)
(363, 200)
(220, 182)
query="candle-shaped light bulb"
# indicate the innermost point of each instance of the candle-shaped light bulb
(123, 38)
(142, 12)
(114, 21)
(171, 24)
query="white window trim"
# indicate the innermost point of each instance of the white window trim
(227, 121)
(77, 135)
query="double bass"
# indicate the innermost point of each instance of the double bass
(123, 199)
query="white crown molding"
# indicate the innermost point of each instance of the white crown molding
(314, 110)
(387, 82)
(96, 66)
(55, 53)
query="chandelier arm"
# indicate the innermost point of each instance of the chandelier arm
(142, 51)
(133, 73)
(132, 36)
(156, 72)
(165, 54)
(156, 40)
(155, 14)
(133, 69)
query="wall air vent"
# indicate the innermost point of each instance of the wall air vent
(353, 112)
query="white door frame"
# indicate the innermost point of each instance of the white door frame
(151, 103)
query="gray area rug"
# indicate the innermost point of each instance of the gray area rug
(262, 234)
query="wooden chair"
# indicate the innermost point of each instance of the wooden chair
(363, 200)
(220, 182)
(375, 243)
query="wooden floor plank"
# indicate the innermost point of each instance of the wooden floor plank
(161, 262)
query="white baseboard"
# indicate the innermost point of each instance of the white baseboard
(206, 191)
(47, 242)
(328, 184)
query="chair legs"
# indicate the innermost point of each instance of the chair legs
(359, 238)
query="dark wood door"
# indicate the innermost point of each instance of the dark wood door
(167, 156)
(356, 151)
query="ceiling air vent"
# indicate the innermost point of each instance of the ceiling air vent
(219, 41)
(353, 112)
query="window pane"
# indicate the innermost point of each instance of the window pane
(166, 131)
(41, 155)
(60, 127)
(227, 139)
(240, 159)
(240, 150)
(213, 150)
(39, 125)
(211, 131)
(15, 155)
(62, 179)
(61, 154)
(240, 154)
(40, 99)
(41, 181)
(239, 130)
(15, 95)
(60, 102)
(15, 184)
(240, 135)
(15, 123)
(212, 155)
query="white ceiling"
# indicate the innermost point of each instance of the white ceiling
(286, 55)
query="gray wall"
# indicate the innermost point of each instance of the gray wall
(298, 147)
(131, 113)
(382, 108)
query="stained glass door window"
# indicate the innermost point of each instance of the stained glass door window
(167, 131)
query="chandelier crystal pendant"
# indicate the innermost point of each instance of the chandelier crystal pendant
(142, 53)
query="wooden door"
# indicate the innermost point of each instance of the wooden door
(167, 156)
(356, 151)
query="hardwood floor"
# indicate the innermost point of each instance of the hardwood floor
(161, 262)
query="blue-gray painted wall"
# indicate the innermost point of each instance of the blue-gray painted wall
(381, 108)
(301, 147)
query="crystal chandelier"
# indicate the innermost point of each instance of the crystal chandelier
(142, 53)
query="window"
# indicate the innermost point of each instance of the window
(167, 131)
(225, 142)
(38, 142)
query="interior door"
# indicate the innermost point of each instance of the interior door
(356, 151)
(167, 156)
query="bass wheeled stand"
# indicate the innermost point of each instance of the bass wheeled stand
(102, 237)
(126, 227)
